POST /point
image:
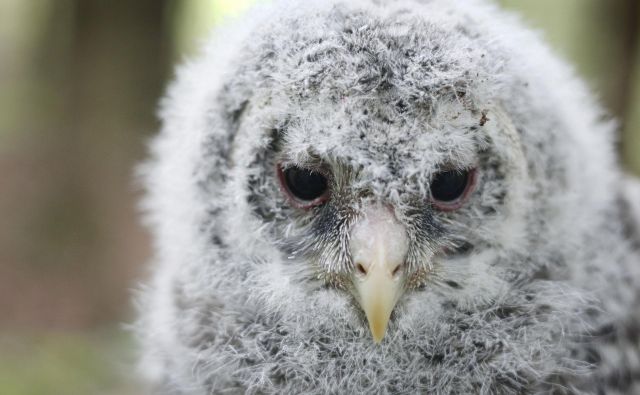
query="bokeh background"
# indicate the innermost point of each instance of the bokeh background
(79, 83)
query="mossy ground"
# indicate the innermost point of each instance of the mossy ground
(100, 363)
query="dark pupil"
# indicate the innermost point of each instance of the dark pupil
(305, 184)
(449, 185)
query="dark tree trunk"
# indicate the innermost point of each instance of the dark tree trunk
(100, 67)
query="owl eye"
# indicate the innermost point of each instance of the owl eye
(451, 188)
(305, 188)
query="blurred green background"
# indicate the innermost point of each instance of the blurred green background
(79, 83)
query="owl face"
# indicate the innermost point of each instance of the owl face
(419, 173)
(380, 198)
(372, 178)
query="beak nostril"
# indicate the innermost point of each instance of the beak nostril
(396, 270)
(361, 269)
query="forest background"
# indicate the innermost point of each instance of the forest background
(79, 85)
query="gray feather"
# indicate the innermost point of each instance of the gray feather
(531, 286)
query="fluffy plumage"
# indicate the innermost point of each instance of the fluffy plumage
(531, 286)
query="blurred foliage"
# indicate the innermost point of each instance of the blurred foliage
(194, 19)
(602, 39)
(80, 81)
(67, 363)
(631, 137)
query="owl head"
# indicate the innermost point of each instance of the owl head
(370, 176)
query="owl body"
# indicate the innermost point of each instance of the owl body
(526, 282)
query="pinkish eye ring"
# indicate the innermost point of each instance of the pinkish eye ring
(450, 189)
(305, 188)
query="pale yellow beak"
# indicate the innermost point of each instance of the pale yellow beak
(379, 246)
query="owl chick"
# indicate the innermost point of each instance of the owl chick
(365, 196)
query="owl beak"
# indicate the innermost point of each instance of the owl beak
(378, 292)
(379, 246)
